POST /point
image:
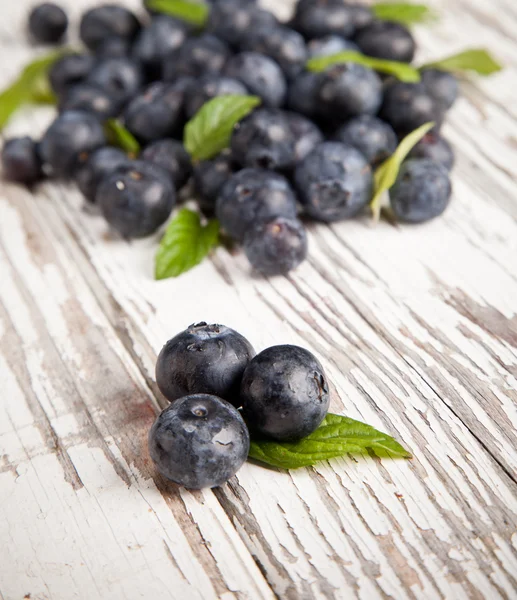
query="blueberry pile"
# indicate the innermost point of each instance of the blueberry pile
(221, 393)
(307, 152)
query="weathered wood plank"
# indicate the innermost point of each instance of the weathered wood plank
(416, 326)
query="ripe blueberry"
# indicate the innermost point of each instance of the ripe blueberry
(321, 17)
(264, 139)
(106, 21)
(72, 134)
(330, 44)
(406, 106)
(207, 87)
(70, 70)
(155, 113)
(154, 43)
(233, 20)
(334, 182)
(121, 77)
(303, 94)
(387, 40)
(347, 90)
(422, 191)
(89, 98)
(100, 163)
(113, 47)
(435, 147)
(197, 56)
(306, 135)
(47, 23)
(284, 45)
(136, 199)
(285, 394)
(199, 441)
(209, 177)
(261, 75)
(21, 161)
(171, 156)
(251, 196)
(203, 359)
(442, 86)
(277, 246)
(374, 138)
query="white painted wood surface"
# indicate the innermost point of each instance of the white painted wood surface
(417, 327)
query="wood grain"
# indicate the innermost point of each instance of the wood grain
(417, 328)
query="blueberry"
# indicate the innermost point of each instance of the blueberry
(233, 20)
(303, 94)
(207, 87)
(89, 98)
(200, 441)
(285, 394)
(277, 246)
(171, 156)
(284, 45)
(197, 56)
(374, 138)
(156, 42)
(321, 17)
(306, 135)
(203, 359)
(261, 75)
(156, 113)
(47, 23)
(107, 21)
(209, 177)
(442, 86)
(387, 40)
(21, 161)
(253, 195)
(264, 139)
(70, 70)
(406, 106)
(100, 163)
(113, 47)
(434, 147)
(330, 44)
(72, 134)
(334, 182)
(422, 191)
(136, 199)
(347, 90)
(120, 77)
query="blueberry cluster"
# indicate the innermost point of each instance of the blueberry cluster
(220, 393)
(309, 149)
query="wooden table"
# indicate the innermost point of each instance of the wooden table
(417, 327)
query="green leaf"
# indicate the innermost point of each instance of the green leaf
(210, 129)
(117, 135)
(400, 70)
(478, 60)
(191, 12)
(31, 86)
(403, 12)
(185, 244)
(387, 172)
(336, 436)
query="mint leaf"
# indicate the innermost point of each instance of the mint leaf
(478, 60)
(210, 129)
(336, 436)
(400, 70)
(387, 172)
(403, 12)
(185, 243)
(191, 12)
(117, 135)
(31, 87)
